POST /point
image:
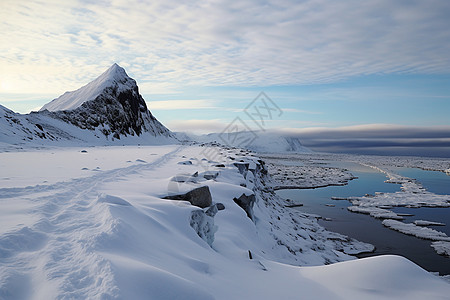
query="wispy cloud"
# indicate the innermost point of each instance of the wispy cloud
(181, 104)
(51, 46)
(301, 111)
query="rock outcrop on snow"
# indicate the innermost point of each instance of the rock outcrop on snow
(246, 203)
(200, 197)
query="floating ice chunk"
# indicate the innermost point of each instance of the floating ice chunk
(375, 212)
(405, 214)
(441, 247)
(420, 232)
(428, 223)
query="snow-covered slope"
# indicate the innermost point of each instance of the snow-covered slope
(115, 77)
(104, 231)
(258, 141)
(17, 129)
(109, 110)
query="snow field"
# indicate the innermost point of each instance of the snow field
(52, 165)
(110, 235)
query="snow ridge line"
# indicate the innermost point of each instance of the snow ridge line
(60, 244)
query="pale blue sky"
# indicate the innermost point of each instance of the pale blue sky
(417, 100)
(327, 64)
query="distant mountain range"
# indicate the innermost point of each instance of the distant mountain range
(258, 141)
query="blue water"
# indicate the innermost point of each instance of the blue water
(365, 228)
(441, 215)
(315, 200)
(434, 181)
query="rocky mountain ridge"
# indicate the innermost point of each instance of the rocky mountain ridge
(105, 110)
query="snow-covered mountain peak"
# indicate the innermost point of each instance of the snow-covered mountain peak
(110, 105)
(115, 77)
(114, 73)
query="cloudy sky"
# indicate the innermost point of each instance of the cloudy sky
(349, 66)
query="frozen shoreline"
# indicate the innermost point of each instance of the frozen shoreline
(307, 176)
(412, 193)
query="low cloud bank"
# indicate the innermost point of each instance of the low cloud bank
(377, 139)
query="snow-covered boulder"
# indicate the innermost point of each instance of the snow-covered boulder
(203, 224)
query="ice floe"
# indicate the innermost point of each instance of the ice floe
(441, 247)
(427, 223)
(375, 212)
(418, 231)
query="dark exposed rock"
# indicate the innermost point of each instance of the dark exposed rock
(123, 113)
(200, 197)
(116, 111)
(213, 209)
(184, 178)
(295, 205)
(242, 167)
(208, 175)
(246, 203)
